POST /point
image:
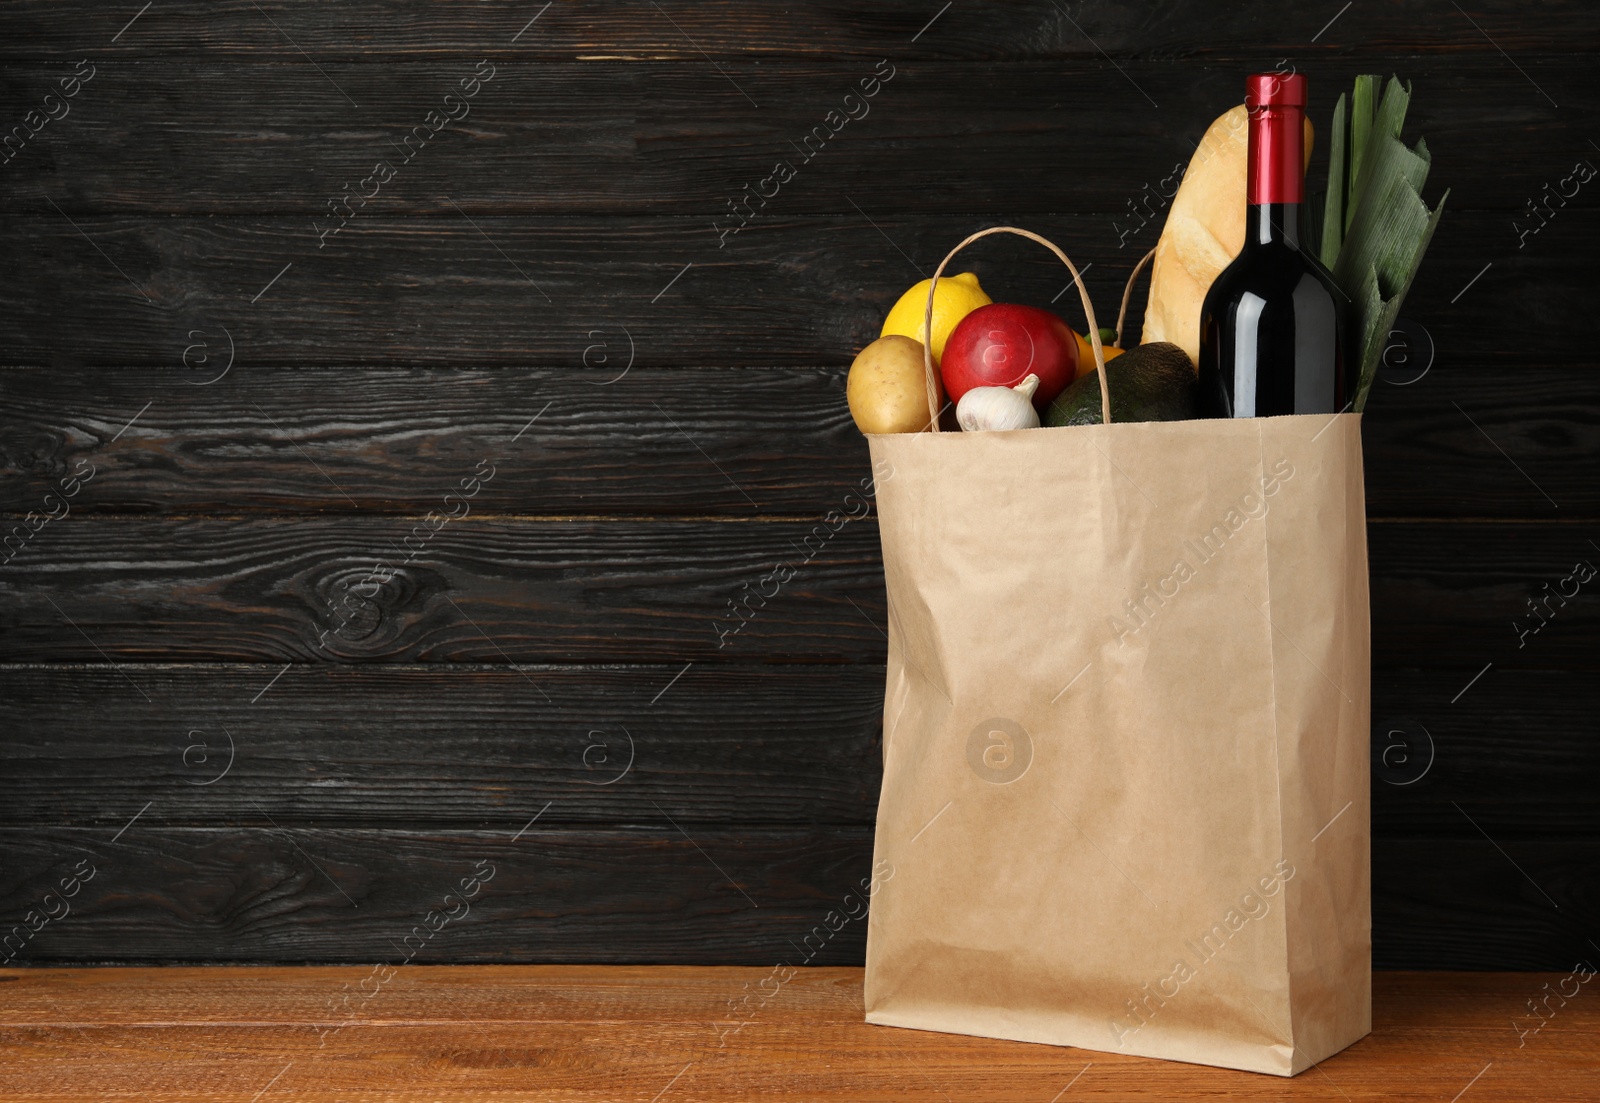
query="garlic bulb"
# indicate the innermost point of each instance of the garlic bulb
(999, 407)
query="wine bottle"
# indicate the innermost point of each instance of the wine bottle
(1272, 328)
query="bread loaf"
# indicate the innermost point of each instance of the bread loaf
(1204, 232)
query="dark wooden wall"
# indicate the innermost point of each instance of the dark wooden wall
(264, 754)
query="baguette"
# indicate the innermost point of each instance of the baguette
(1203, 233)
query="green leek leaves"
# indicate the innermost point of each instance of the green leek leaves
(1375, 226)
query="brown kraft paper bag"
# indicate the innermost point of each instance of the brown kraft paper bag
(1125, 791)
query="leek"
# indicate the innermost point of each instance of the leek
(1375, 226)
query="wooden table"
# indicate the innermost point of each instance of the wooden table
(664, 1035)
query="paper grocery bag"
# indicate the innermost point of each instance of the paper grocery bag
(1125, 791)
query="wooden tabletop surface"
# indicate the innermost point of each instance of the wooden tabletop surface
(667, 1035)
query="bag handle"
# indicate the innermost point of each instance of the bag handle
(1127, 292)
(931, 379)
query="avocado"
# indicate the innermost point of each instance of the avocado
(1153, 382)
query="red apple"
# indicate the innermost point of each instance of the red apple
(999, 345)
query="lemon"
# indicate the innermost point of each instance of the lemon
(953, 300)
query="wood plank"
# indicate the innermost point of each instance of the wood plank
(259, 892)
(611, 439)
(482, 589)
(1520, 751)
(1450, 442)
(388, 439)
(1459, 1003)
(359, 746)
(653, 893)
(598, 1033)
(492, 589)
(677, 138)
(846, 1061)
(1534, 899)
(634, 30)
(446, 745)
(789, 292)
(1448, 594)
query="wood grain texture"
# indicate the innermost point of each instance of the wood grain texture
(1516, 755)
(786, 292)
(609, 438)
(323, 745)
(596, 1033)
(214, 576)
(481, 590)
(390, 30)
(1450, 443)
(242, 138)
(389, 439)
(659, 891)
(1436, 901)
(256, 891)
(505, 589)
(1436, 1002)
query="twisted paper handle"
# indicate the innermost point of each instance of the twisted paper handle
(931, 379)
(1127, 291)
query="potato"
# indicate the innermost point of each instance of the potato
(887, 388)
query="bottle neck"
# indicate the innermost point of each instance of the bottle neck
(1275, 175)
(1272, 224)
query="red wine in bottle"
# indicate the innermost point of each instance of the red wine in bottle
(1272, 329)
